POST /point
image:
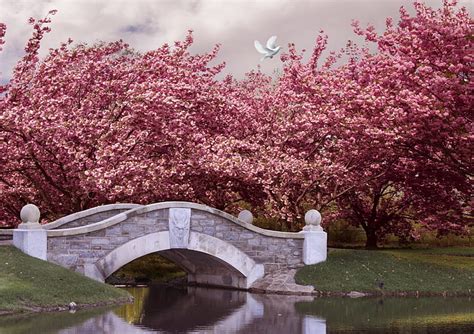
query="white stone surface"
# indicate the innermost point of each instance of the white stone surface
(228, 253)
(89, 212)
(159, 206)
(31, 241)
(312, 219)
(159, 241)
(314, 246)
(246, 216)
(179, 225)
(130, 251)
(30, 214)
(91, 271)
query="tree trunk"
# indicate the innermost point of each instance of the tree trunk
(371, 242)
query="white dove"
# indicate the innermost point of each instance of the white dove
(269, 50)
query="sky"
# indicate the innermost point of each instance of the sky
(235, 24)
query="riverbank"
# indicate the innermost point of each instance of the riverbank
(31, 285)
(392, 272)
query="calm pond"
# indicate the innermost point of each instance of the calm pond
(199, 310)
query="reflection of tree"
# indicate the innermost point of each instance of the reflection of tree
(132, 312)
(173, 309)
(399, 313)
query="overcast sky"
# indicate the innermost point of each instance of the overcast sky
(147, 24)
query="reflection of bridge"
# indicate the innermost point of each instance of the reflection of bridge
(238, 312)
(212, 246)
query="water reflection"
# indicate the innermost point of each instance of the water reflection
(393, 315)
(199, 310)
(187, 309)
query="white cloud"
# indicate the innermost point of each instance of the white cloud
(235, 24)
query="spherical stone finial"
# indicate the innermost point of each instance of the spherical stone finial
(246, 216)
(30, 214)
(312, 217)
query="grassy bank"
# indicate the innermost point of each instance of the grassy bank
(30, 285)
(447, 271)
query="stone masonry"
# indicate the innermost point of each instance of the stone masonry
(212, 246)
(76, 250)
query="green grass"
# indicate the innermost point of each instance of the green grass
(29, 284)
(449, 270)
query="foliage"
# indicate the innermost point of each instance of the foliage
(102, 124)
(387, 136)
(382, 140)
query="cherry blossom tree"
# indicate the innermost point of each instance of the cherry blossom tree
(380, 139)
(416, 98)
(89, 125)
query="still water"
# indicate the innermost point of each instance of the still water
(200, 310)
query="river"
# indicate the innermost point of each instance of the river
(163, 309)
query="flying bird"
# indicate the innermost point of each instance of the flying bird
(268, 50)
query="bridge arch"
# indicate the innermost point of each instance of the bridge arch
(242, 270)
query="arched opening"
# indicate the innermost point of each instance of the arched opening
(207, 260)
(153, 268)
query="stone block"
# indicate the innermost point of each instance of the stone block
(222, 227)
(57, 244)
(65, 260)
(273, 248)
(32, 242)
(232, 236)
(119, 240)
(114, 230)
(314, 247)
(79, 245)
(99, 233)
(265, 259)
(100, 241)
(133, 228)
(162, 224)
(209, 230)
(209, 222)
(272, 267)
(247, 235)
(151, 229)
(255, 242)
(197, 215)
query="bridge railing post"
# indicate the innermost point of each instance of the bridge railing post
(315, 239)
(29, 236)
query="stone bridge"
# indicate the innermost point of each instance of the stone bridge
(213, 247)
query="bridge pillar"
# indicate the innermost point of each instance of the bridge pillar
(30, 237)
(315, 239)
